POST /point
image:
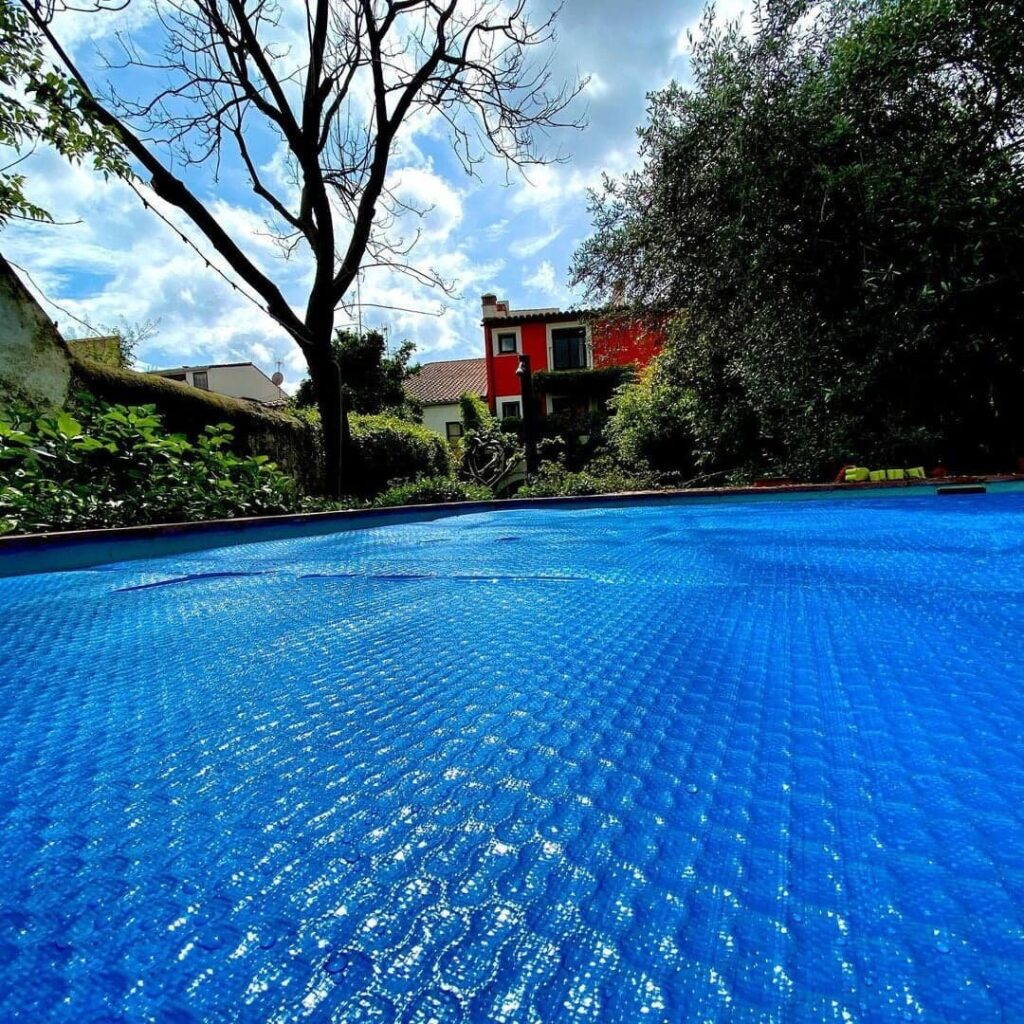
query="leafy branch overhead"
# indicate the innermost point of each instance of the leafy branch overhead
(40, 103)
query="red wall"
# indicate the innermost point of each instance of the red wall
(617, 344)
(501, 370)
(613, 345)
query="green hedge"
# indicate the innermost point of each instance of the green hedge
(432, 491)
(386, 450)
(555, 481)
(115, 465)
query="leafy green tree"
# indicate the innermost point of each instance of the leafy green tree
(41, 104)
(371, 379)
(837, 203)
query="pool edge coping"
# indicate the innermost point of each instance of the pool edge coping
(249, 529)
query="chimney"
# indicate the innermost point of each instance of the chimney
(619, 293)
(492, 307)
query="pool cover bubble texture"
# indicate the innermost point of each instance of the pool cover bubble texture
(744, 761)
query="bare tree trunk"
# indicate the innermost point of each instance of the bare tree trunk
(326, 376)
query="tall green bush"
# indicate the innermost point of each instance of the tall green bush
(386, 450)
(837, 201)
(474, 412)
(650, 428)
(116, 465)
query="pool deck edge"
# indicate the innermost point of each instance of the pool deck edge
(85, 548)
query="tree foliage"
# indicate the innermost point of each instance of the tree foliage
(371, 379)
(40, 103)
(650, 428)
(838, 205)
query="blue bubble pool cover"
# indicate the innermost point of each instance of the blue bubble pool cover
(734, 761)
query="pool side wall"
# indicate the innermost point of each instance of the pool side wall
(82, 549)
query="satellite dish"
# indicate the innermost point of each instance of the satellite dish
(278, 378)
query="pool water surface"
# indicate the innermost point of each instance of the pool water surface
(748, 760)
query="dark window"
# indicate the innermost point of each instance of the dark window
(562, 404)
(506, 343)
(569, 348)
(200, 379)
(453, 429)
(511, 410)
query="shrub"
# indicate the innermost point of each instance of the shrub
(116, 465)
(487, 454)
(432, 490)
(474, 412)
(256, 430)
(386, 450)
(651, 428)
(555, 481)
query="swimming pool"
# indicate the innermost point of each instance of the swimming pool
(727, 761)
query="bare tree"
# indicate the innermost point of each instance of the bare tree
(336, 89)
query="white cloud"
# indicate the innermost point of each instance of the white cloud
(435, 206)
(597, 86)
(543, 278)
(496, 230)
(78, 30)
(549, 188)
(120, 262)
(725, 11)
(527, 247)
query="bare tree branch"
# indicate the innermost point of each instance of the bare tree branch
(333, 90)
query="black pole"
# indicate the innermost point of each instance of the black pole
(529, 414)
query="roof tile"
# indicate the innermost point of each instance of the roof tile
(447, 381)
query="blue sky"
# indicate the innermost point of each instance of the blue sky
(117, 263)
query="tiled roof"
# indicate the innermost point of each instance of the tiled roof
(204, 366)
(447, 381)
(534, 316)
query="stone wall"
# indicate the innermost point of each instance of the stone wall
(34, 363)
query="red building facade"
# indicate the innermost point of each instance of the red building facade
(555, 340)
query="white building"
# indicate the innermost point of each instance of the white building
(437, 387)
(238, 380)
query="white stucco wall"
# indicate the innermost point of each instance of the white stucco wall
(33, 361)
(436, 416)
(244, 382)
